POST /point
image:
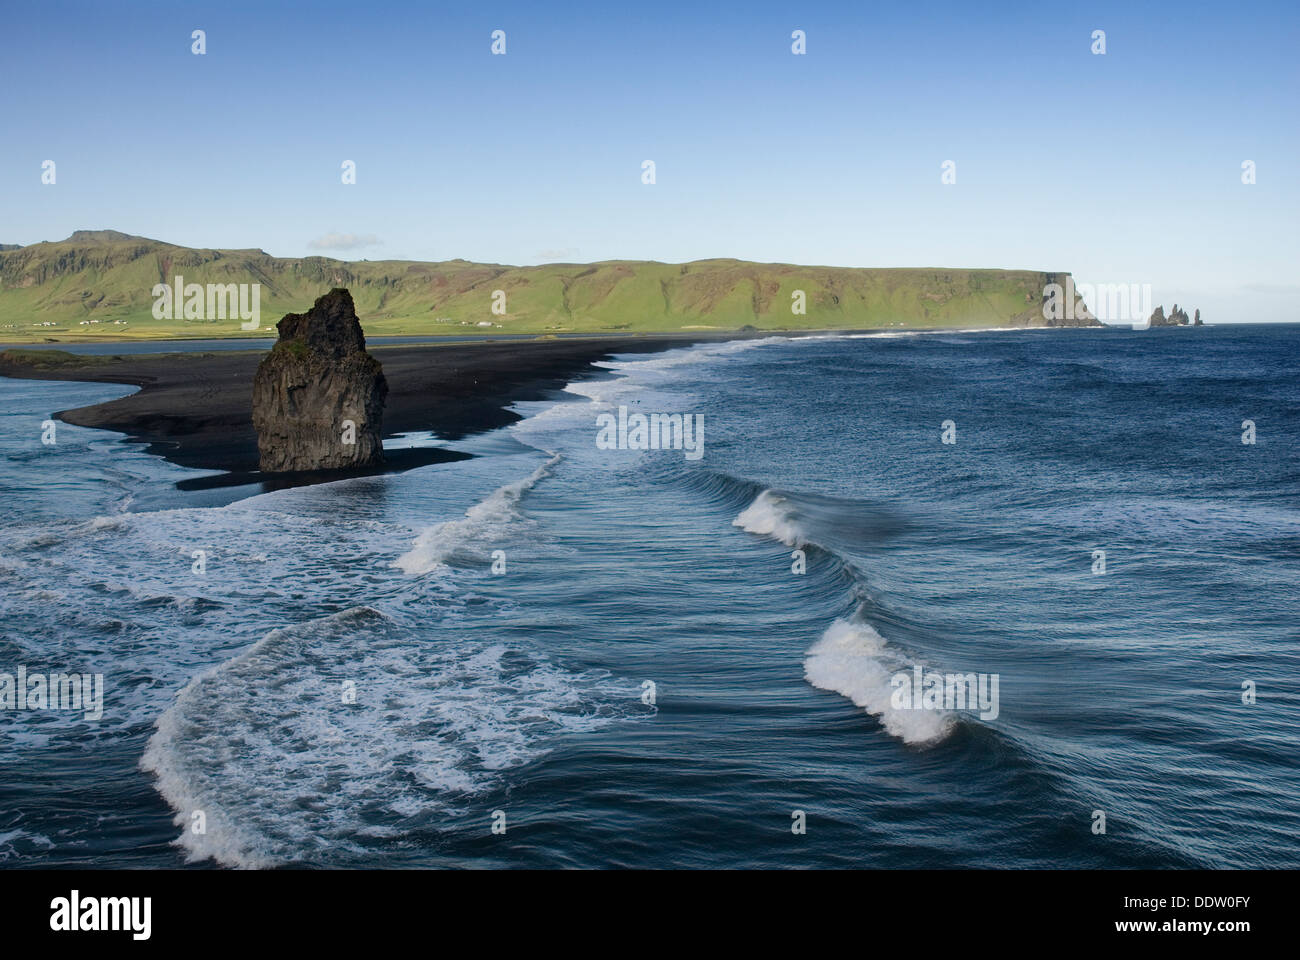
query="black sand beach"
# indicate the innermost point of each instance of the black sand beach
(196, 409)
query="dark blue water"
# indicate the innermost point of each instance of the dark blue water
(523, 694)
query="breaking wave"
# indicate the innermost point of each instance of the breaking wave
(772, 515)
(462, 540)
(854, 660)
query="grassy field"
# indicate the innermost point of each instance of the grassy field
(97, 286)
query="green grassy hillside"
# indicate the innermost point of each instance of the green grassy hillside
(97, 285)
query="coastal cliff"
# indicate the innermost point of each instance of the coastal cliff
(318, 396)
(98, 285)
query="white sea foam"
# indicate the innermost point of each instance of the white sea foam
(772, 515)
(931, 333)
(285, 769)
(638, 373)
(854, 660)
(602, 392)
(13, 842)
(651, 380)
(59, 533)
(485, 523)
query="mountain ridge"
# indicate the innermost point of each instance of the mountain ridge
(105, 278)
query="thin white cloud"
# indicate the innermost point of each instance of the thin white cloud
(566, 253)
(344, 241)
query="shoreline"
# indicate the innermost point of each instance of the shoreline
(195, 410)
(697, 335)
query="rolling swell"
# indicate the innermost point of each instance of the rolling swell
(852, 658)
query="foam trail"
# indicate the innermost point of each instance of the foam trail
(854, 660)
(11, 840)
(182, 730)
(487, 520)
(286, 769)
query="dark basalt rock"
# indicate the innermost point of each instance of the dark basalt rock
(316, 379)
(1177, 317)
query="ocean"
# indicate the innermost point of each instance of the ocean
(572, 653)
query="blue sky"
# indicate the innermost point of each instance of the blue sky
(1123, 168)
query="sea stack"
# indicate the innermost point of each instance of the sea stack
(1177, 318)
(318, 397)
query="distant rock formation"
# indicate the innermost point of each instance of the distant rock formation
(1177, 317)
(318, 397)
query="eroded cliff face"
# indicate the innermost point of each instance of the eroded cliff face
(1062, 304)
(318, 397)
